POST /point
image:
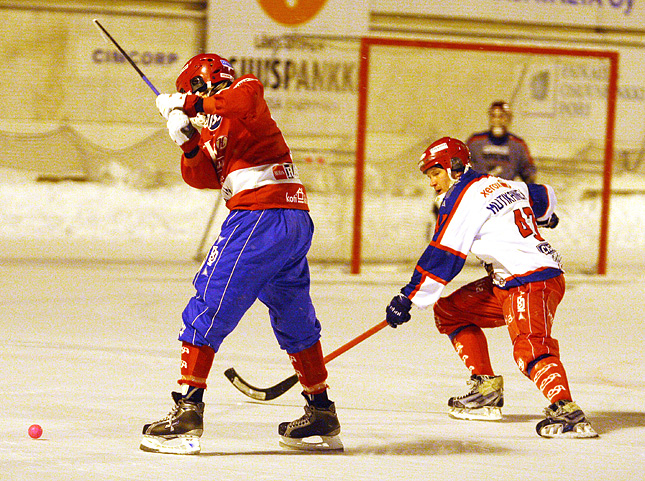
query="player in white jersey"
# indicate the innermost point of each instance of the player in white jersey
(497, 220)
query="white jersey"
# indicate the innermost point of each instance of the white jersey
(496, 220)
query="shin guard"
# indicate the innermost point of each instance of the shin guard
(549, 376)
(196, 362)
(310, 369)
(472, 348)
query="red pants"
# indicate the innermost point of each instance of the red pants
(527, 311)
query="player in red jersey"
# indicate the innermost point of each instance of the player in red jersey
(259, 254)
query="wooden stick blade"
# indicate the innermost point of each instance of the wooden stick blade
(260, 394)
(266, 394)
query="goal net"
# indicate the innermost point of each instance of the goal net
(413, 92)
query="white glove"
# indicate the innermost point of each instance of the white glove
(179, 127)
(166, 103)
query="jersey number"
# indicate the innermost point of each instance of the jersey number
(525, 222)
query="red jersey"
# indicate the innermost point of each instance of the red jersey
(242, 151)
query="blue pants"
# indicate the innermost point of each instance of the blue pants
(259, 254)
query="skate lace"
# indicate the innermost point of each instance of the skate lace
(569, 412)
(473, 384)
(304, 419)
(171, 415)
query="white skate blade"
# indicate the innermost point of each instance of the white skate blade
(174, 445)
(479, 414)
(313, 443)
(580, 430)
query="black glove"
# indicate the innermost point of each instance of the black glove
(550, 223)
(398, 311)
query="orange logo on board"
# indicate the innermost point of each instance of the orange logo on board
(283, 12)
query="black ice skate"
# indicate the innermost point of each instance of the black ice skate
(483, 402)
(177, 433)
(316, 430)
(565, 419)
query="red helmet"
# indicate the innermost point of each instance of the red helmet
(448, 153)
(203, 73)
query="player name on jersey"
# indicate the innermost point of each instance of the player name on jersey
(504, 199)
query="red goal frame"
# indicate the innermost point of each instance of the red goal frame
(368, 42)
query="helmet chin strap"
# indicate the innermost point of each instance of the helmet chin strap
(453, 178)
(439, 198)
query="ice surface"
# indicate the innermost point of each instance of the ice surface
(89, 352)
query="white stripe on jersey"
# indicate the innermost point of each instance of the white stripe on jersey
(258, 176)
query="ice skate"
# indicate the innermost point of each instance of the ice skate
(483, 402)
(316, 430)
(565, 419)
(177, 433)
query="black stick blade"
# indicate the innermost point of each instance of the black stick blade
(258, 393)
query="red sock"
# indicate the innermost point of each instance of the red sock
(310, 368)
(472, 347)
(550, 378)
(196, 362)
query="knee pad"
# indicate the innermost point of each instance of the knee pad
(451, 317)
(529, 352)
(447, 318)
